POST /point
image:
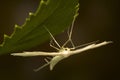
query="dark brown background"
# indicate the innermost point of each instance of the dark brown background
(98, 20)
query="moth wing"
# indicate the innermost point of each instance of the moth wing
(52, 63)
(55, 60)
(28, 54)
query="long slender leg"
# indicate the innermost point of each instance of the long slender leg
(70, 31)
(47, 63)
(73, 46)
(53, 38)
(46, 60)
(51, 45)
(41, 67)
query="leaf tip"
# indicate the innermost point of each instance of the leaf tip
(30, 13)
(16, 26)
(6, 36)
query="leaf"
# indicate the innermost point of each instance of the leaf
(56, 15)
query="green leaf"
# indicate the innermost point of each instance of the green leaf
(56, 15)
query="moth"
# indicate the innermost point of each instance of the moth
(62, 51)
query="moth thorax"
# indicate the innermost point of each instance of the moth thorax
(65, 52)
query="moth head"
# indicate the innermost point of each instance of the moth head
(64, 49)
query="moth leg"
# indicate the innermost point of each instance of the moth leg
(53, 38)
(39, 68)
(46, 60)
(49, 58)
(47, 63)
(69, 32)
(52, 45)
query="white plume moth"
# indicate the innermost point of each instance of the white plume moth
(63, 52)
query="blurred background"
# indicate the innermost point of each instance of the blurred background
(97, 20)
